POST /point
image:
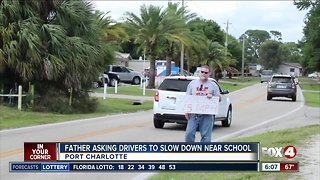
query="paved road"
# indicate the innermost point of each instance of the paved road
(252, 114)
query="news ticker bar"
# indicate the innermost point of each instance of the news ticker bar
(154, 166)
(140, 151)
(110, 167)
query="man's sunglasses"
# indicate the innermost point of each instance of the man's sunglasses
(204, 72)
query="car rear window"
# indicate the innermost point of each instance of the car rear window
(267, 72)
(179, 85)
(282, 80)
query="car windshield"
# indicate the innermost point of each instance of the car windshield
(281, 80)
(179, 85)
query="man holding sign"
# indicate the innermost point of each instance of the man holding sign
(201, 87)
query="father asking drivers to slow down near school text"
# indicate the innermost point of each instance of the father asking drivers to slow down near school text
(201, 87)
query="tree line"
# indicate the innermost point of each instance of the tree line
(61, 46)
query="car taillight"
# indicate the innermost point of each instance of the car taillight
(156, 96)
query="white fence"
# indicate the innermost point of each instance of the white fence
(19, 95)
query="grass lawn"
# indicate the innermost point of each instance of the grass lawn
(13, 118)
(309, 84)
(236, 83)
(312, 98)
(296, 137)
(232, 85)
(127, 90)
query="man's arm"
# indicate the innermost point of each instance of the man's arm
(216, 91)
(189, 89)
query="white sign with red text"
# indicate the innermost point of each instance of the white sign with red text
(197, 104)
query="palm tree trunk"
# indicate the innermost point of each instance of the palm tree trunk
(151, 84)
(169, 57)
(168, 65)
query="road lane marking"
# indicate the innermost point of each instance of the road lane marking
(101, 132)
(249, 101)
(14, 152)
(301, 105)
(11, 153)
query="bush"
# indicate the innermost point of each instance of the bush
(85, 104)
(52, 101)
(55, 100)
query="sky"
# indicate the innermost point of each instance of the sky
(241, 15)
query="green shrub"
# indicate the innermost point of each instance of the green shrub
(85, 104)
(55, 100)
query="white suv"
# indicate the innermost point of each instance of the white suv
(164, 110)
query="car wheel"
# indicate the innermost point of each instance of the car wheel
(106, 80)
(95, 85)
(227, 121)
(158, 123)
(269, 97)
(294, 98)
(113, 82)
(136, 80)
(261, 81)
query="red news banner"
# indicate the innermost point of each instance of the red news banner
(40, 151)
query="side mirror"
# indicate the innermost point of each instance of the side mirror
(225, 92)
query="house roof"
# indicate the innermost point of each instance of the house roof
(123, 56)
(297, 65)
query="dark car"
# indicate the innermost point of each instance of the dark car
(109, 77)
(282, 86)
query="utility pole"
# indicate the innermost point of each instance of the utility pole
(227, 29)
(242, 63)
(226, 44)
(182, 51)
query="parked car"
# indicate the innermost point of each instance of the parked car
(125, 74)
(282, 86)
(130, 69)
(165, 97)
(109, 77)
(266, 75)
(314, 75)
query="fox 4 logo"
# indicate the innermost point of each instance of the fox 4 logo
(289, 151)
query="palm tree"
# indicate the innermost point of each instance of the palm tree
(52, 40)
(180, 33)
(197, 50)
(219, 59)
(152, 27)
(57, 43)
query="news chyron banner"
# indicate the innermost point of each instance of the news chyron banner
(137, 156)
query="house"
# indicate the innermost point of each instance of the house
(254, 69)
(290, 68)
(122, 59)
